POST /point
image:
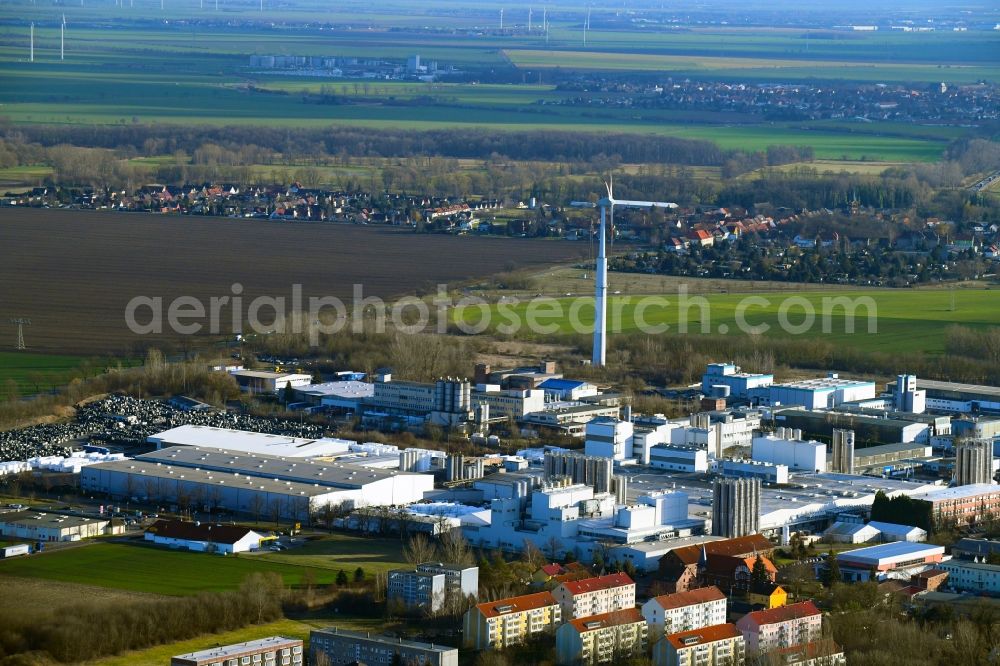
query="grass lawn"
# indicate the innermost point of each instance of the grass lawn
(343, 551)
(905, 320)
(148, 569)
(34, 373)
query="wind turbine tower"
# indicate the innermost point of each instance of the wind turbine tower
(21, 323)
(31, 52)
(529, 19)
(501, 20)
(586, 27)
(607, 206)
(62, 39)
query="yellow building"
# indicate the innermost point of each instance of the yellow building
(767, 595)
(602, 639)
(497, 624)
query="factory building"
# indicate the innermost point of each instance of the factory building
(609, 438)
(726, 379)
(260, 485)
(754, 469)
(786, 447)
(48, 526)
(973, 462)
(557, 390)
(954, 397)
(678, 458)
(337, 646)
(735, 507)
(446, 402)
(869, 426)
(261, 381)
(823, 393)
(907, 397)
(249, 442)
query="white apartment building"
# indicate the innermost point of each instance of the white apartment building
(684, 611)
(595, 596)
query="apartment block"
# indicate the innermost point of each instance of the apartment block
(602, 639)
(595, 596)
(783, 627)
(271, 651)
(717, 645)
(684, 611)
(336, 646)
(497, 624)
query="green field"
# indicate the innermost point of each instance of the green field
(143, 568)
(905, 320)
(122, 69)
(342, 551)
(148, 569)
(749, 67)
(39, 372)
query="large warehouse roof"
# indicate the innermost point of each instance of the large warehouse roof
(889, 553)
(230, 480)
(336, 475)
(249, 442)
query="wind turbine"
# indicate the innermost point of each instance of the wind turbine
(31, 52)
(607, 206)
(62, 39)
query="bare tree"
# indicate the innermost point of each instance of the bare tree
(455, 549)
(419, 549)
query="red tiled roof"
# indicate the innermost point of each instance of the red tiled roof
(516, 604)
(552, 569)
(784, 613)
(737, 547)
(680, 599)
(612, 619)
(179, 529)
(716, 632)
(576, 587)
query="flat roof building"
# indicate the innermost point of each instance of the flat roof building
(263, 381)
(824, 392)
(47, 526)
(340, 647)
(270, 651)
(856, 565)
(259, 485)
(249, 442)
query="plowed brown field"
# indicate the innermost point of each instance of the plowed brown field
(73, 272)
